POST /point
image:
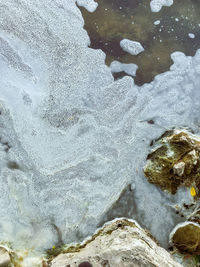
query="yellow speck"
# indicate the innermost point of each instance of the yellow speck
(193, 192)
(53, 247)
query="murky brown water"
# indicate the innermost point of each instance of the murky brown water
(115, 20)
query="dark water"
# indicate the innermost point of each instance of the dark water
(115, 20)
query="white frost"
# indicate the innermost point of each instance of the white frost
(131, 47)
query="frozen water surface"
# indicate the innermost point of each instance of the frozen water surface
(72, 140)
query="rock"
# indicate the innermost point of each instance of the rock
(120, 243)
(4, 258)
(186, 237)
(78, 137)
(44, 263)
(132, 47)
(179, 168)
(175, 161)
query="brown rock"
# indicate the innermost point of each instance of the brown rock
(175, 161)
(121, 243)
(4, 258)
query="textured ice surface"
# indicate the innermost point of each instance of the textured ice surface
(117, 66)
(132, 47)
(156, 5)
(71, 137)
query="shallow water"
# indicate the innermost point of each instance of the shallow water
(115, 20)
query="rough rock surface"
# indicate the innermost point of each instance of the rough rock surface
(120, 244)
(90, 5)
(175, 161)
(186, 238)
(4, 258)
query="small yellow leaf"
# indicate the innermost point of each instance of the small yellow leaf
(193, 192)
(53, 247)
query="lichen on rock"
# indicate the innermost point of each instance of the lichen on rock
(175, 161)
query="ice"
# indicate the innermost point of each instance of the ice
(191, 35)
(117, 66)
(90, 5)
(157, 22)
(131, 47)
(156, 5)
(76, 136)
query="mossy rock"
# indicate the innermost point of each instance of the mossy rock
(175, 161)
(187, 238)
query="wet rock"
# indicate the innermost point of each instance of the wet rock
(120, 243)
(175, 161)
(186, 237)
(195, 216)
(4, 258)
